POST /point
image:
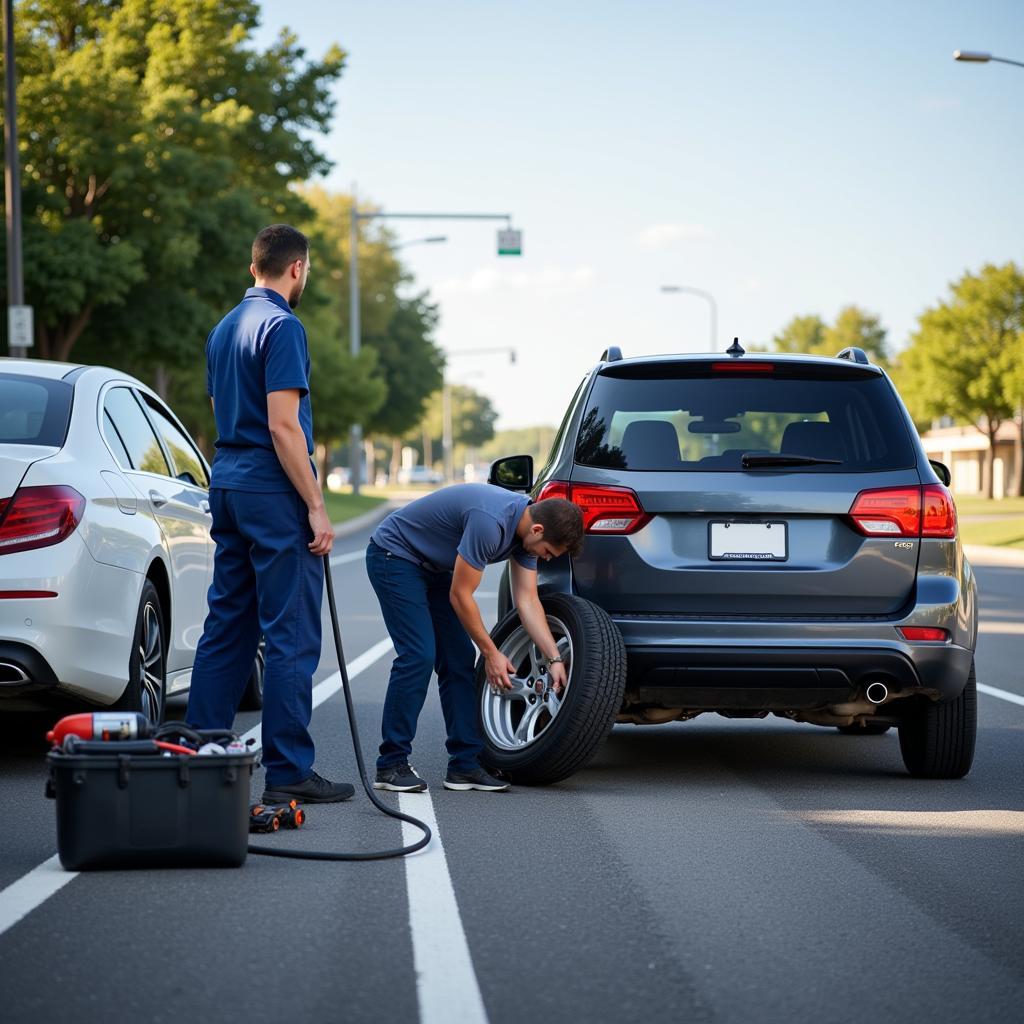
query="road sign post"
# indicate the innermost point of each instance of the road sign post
(19, 329)
(510, 242)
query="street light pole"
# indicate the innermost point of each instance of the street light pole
(12, 177)
(354, 340)
(979, 57)
(707, 296)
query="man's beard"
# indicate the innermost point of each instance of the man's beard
(296, 296)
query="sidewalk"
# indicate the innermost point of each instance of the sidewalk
(981, 554)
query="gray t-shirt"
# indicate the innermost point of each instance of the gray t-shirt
(477, 521)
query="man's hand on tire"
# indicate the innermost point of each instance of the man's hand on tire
(498, 669)
(557, 675)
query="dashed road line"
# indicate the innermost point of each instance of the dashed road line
(994, 691)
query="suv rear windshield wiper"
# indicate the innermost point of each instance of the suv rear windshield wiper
(752, 460)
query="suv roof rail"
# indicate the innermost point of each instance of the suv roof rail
(855, 355)
(612, 354)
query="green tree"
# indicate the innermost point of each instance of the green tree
(535, 441)
(155, 141)
(857, 328)
(473, 419)
(804, 334)
(810, 335)
(965, 353)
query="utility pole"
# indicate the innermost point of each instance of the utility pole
(19, 316)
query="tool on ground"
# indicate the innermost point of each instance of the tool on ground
(263, 818)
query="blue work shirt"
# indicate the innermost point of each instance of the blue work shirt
(477, 521)
(259, 347)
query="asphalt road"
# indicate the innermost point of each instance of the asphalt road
(706, 871)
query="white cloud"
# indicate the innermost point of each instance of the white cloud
(657, 236)
(548, 279)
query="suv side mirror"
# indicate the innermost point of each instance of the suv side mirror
(941, 471)
(514, 473)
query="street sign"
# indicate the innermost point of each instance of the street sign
(510, 242)
(19, 327)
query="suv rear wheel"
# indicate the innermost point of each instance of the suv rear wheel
(937, 740)
(531, 734)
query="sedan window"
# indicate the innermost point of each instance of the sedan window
(188, 466)
(134, 430)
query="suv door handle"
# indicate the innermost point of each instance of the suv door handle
(157, 498)
(204, 505)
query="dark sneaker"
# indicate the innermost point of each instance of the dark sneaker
(476, 779)
(399, 778)
(315, 790)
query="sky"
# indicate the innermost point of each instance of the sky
(786, 157)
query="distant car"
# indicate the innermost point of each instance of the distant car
(767, 536)
(105, 547)
(419, 475)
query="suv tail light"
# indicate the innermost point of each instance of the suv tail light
(37, 517)
(926, 511)
(615, 510)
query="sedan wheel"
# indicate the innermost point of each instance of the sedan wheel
(147, 667)
(252, 699)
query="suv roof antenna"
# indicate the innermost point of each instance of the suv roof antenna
(735, 349)
(612, 354)
(855, 355)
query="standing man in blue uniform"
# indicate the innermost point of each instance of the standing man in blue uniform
(425, 561)
(269, 523)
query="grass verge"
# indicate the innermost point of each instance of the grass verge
(1000, 533)
(347, 506)
(971, 506)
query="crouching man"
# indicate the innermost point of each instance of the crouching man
(425, 561)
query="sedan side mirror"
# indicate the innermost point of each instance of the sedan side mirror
(514, 473)
(941, 471)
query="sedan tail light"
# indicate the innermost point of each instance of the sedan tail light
(926, 511)
(614, 510)
(37, 517)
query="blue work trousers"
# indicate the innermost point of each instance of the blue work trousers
(264, 581)
(428, 637)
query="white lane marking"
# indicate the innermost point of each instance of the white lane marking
(23, 896)
(351, 556)
(992, 691)
(446, 985)
(996, 626)
(20, 898)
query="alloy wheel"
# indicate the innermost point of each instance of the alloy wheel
(151, 664)
(515, 719)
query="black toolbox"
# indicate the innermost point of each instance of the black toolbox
(121, 810)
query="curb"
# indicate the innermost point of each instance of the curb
(366, 520)
(984, 554)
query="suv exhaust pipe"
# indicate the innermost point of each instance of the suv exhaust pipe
(877, 693)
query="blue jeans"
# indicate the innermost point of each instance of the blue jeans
(428, 637)
(264, 581)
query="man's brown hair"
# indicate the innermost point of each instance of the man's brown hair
(276, 247)
(562, 522)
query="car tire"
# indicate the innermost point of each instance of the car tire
(864, 729)
(554, 745)
(252, 699)
(937, 740)
(146, 691)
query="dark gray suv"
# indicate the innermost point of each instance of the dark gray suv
(764, 534)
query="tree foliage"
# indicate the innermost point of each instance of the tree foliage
(155, 142)
(964, 360)
(810, 335)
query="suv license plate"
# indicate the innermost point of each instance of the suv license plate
(748, 542)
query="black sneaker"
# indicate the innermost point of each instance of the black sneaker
(399, 778)
(475, 779)
(315, 790)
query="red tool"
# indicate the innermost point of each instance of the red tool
(102, 725)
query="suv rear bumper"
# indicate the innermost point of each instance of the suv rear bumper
(756, 677)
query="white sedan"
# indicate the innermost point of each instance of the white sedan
(105, 547)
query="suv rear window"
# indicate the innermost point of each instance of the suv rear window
(707, 423)
(34, 410)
